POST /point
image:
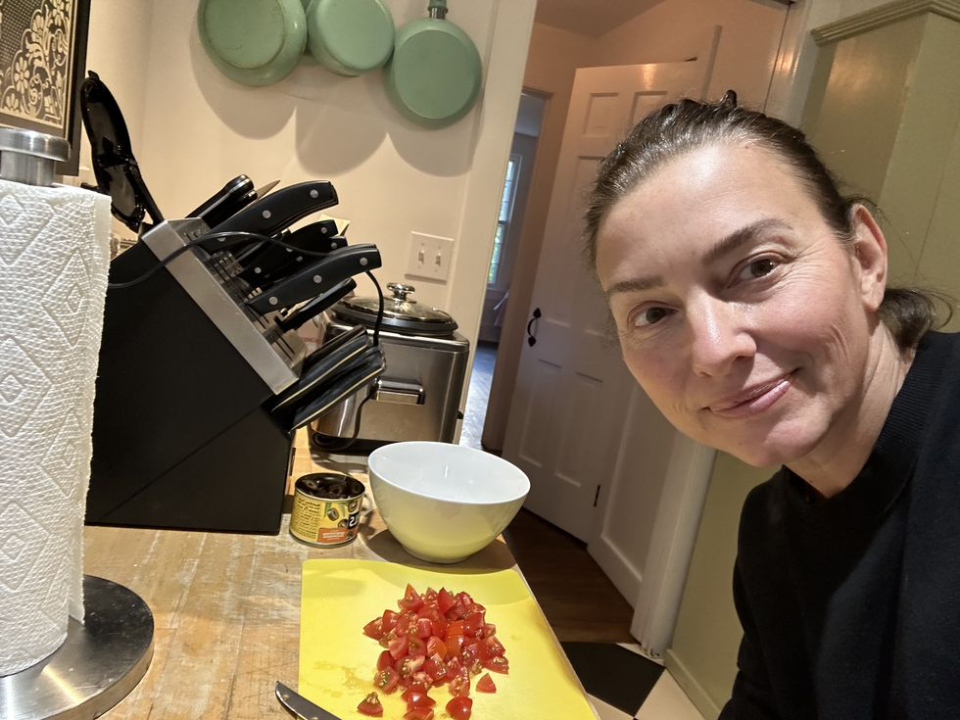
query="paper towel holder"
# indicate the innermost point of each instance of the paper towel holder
(30, 157)
(97, 666)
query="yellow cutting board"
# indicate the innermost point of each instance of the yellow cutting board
(338, 662)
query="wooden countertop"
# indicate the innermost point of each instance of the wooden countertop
(227, 607)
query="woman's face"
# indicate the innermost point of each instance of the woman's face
(739, 312)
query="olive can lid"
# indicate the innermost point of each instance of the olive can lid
(330, 486)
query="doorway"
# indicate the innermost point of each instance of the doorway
(516, 187)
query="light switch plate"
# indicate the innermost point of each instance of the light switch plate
(430, 256)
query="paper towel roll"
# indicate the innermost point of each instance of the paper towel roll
(54, 259)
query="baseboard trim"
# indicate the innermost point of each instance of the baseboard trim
(698, 696)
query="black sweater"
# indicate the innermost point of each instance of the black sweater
(851, 606)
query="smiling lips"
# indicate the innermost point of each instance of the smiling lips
(753, 400)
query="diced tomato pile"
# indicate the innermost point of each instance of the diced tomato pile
(436, 638)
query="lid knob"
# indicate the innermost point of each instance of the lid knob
(30, 157)
(400, 291)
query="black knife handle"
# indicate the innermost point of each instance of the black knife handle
(232, 197)
(273, 262)
(275, 212)
(316, 278)
(301, 315)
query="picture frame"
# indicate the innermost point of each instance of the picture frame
(43, 53)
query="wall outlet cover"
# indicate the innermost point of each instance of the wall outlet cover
(430, 257)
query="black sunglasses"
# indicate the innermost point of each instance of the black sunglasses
(114, 166)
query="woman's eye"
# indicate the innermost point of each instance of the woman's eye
(650, 316)
(758, 268)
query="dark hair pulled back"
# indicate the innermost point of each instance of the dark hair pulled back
(680, 127)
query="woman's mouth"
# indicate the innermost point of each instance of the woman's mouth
(754, 399)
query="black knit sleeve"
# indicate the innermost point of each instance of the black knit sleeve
(752, 698)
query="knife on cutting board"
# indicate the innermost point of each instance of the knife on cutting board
(298, 706)
(271, 214)
(318, 277)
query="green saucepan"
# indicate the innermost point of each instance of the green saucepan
(350, 37)
(435, 73)
(254, 42)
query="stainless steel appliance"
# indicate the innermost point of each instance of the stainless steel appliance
(418, 396)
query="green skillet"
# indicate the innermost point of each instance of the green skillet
(254, 42)
(435, 73)
(350, 37)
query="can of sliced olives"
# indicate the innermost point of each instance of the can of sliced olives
(326, 509)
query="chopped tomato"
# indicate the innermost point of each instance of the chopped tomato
(371, 706)
(385, 660)
(424, 628)
(420, 681)
(445, 600)
(435, 668)
(419, 714)
(398, 647)
(437, 637)
(436, 646)
(386, 680)
(460, 685)
(494, 647)
(460, 708)
(417, 698)
(374, 629)
(498, 664)
(411, 599)
(416, 647)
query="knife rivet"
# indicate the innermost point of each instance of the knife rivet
(273, 301)
(323, 230)
(363, 262)
(317, 279)
(314, 194)
(267, 214)
(299, 258)
(257, 270)
(333, 246)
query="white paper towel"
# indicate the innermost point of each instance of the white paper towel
(54, 258)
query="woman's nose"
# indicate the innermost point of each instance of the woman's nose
(719, 336)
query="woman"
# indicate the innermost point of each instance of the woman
(751, 302)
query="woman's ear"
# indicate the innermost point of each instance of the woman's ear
(870, 256)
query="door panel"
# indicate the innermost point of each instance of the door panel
(568, 414)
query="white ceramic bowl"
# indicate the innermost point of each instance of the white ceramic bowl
(444, 502)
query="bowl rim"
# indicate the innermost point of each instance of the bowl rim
(462, 448)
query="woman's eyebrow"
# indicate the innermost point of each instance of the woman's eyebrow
(634, 285)
(745, 234)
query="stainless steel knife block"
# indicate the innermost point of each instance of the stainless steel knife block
(182, 433)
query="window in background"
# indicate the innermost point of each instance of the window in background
(503, 220)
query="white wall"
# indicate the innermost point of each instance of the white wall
(198, 129)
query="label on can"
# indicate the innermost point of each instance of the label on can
(326, 509)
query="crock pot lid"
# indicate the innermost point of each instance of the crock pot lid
(400, 307)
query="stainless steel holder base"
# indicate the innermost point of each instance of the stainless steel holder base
(97, 666)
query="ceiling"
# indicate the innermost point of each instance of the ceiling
(590, 17)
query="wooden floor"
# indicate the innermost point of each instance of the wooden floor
(579, 600)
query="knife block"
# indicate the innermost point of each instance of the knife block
(182, 437)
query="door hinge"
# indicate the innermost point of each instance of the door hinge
(596, 496)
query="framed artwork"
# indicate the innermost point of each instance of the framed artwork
(43, 51)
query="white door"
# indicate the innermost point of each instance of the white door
(570, 405)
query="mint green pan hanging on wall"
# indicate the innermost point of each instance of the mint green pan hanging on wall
(254, 42)
(350, 37)
(435, 73)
